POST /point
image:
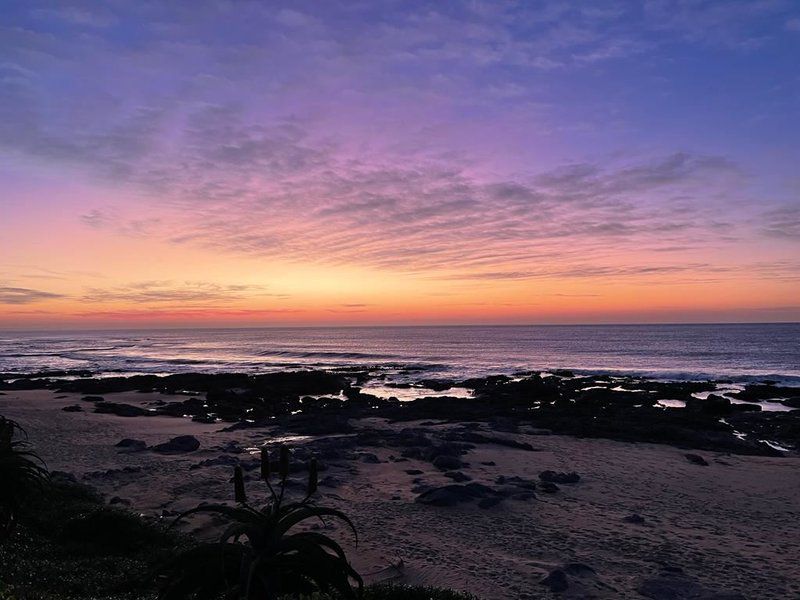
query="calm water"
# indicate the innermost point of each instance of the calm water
(739, 352)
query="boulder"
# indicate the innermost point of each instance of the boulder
(130, 445)
(458, 476)
(556, 477)
(450, 495)
(696, 459)
(447, 463)
(121, 410)
(73, 408)
(178, 445)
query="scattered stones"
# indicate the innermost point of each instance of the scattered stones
(178, 445)
(556, 477)
(696, 459)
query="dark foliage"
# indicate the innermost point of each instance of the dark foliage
(261, 555)
(22, 473)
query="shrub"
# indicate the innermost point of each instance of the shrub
(22, 472)
(259, 556)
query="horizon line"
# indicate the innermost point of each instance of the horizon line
(404, 326)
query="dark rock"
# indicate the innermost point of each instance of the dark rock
(556, 581)
(458, 476)
(131, 445)
(413, 471)
(118, 500)
(177, 445)
(696, 459)
(368, 457)
(450, 495)
(489, 463)
(437, 385)
(447, 463)
(634, 518)
(73, 408)
(489, 502)
(93, 399)
(548, 487)
(221, 461)
(121, 410)
(555, 477)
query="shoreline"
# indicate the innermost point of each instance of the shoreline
(488, 494)
(755, 418)
(639, 515)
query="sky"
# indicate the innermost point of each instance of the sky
(239, 163)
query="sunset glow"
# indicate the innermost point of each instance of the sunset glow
(266, 164)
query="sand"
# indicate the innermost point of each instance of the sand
(731, 525)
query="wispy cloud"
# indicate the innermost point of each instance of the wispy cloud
(183, 293)
(19, 295)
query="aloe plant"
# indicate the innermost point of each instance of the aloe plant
(260, 555)
(22, 472)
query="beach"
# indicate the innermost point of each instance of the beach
(642, 520)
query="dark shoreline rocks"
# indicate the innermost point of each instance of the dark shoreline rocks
(324, 403)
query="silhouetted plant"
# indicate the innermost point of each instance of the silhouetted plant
(257, 556)
(22, 472)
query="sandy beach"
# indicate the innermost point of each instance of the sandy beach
(642, 521)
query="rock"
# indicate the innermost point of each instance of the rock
(555, 477)
(93, 399)
(696, 459)
(447, 463)
(221, 461)
(489, 463)
(73, 408)
(450, 495)
(118, 500)
(458, 476)
(548, 487)
(131, 445)
(556, 581)
(368, 457)
(413, 471)
(489, 502)
(177, 445)
(121, 410)
(634, 518)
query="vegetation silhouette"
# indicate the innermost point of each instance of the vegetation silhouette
(259, 555)
(22, 473)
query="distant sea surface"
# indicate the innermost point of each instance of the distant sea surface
(738, 352)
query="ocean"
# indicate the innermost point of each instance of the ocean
(741, 353)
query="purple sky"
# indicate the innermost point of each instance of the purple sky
(504, 151)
